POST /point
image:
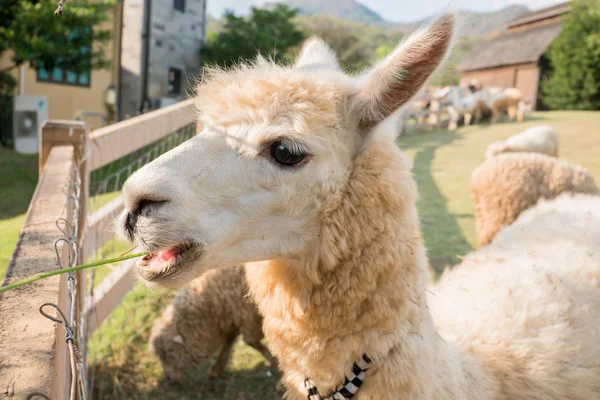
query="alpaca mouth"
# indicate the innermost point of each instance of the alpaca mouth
(163, 263)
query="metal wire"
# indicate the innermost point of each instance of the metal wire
(73, 327)
(106, 180)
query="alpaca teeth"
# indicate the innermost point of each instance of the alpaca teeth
(142, 262)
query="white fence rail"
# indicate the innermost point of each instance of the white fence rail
(34, 357)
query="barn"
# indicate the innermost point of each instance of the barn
(515, 56)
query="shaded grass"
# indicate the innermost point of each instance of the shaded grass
(443, 162)
(443, 165)
(18, 176)
(123, 368)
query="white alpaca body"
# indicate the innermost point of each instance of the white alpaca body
(466, 105)
(463, 105)
(528, 304)
(504, 186)
(566, 232)
(503, 100)
(538, 139)
(461, 101)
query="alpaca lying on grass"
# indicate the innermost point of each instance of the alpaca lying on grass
(538, 139)
(565, 234)
(527, 305)
(294, 176)
(506, 185)
(207, 316)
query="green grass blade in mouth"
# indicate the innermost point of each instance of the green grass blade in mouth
(48, 274)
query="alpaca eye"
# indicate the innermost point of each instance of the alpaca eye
(285, 154)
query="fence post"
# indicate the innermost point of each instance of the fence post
(33, 351)
(76, 134)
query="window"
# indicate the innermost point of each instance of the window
(68, 76)
(179, 5)
(174, 81)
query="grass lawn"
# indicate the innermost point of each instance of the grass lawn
(18, 175)
(443, 162)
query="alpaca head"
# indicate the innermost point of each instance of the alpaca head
(179, 353)
(496, 148)
(170, 347)
(278, 142)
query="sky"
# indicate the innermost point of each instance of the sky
(395, 10)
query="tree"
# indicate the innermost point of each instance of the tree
(357, 45)
(269, 32)
(71, 41)
(7, 91)
(383, 50)
(351, 51)
(574, 75)
(448, 74)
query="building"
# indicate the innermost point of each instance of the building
(144, 74)
(515, 56)
(71, 95)
(159, 68)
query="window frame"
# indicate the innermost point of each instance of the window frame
(65, 72)
(63, 80)
(181, 3)
(174, 67)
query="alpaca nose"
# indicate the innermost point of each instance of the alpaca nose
(142, 207)
(130, 222)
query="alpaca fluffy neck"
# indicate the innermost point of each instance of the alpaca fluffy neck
(364, 294)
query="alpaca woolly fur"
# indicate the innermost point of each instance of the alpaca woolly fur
(207, 316)
(538, 139)
(295, 176)
(504, 186)
(527, 305)
(571, 224)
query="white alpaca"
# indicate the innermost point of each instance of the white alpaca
(537, 139)
(544, 270)
(295, 176)
(500, 100)
(463, 103)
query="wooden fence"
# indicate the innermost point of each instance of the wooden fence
(34, 359)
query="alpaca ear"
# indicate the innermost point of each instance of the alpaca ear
(316, 53)
(395, 80)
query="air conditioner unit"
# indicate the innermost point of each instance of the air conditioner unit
(29, 114)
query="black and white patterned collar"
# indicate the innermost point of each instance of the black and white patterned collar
(350, 387)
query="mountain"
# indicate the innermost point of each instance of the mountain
(344, 9)
(474, 23)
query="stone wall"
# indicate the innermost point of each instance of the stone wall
(131, 57)
(175, 41)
